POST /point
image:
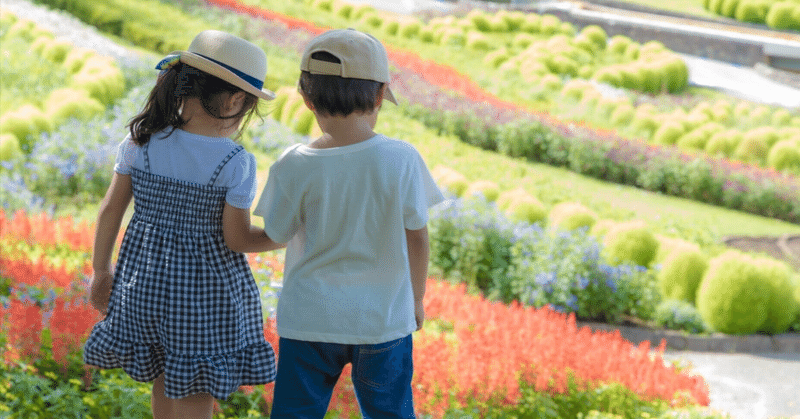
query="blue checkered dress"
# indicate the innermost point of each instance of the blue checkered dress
(183, 303)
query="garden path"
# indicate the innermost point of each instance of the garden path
(748, 386)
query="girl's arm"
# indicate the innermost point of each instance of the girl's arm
(243, 237)
(109, 220)
(418, 258)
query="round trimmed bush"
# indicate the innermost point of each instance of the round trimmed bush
(22, 28)
(485, 188)
(602, 227)
(785, 155)
(571, 216)
(497, 57)
(7, 18)
(782, 307)
(618, 44)
(630, 242)
(779, 16)
(561, 64)
(527, 209)
(76, 58)
(450, 179)
(751, 149)
(9, 147)
(304, 120)
(275, 107)
(728, 8)
(391, 26)
(767, 134)
(681, 273)
(478, 41)
(531, 24)
(57, 50)
(498, 24)
(667, 245)
(453, 36)
(344, 10)
(326, 5)
(66, 103)
(668, 133)
(752, 11)
(551, 82)
(596, 34)
(623, 114)
(522, 206)
(409, 28)
(732, 298)
(723, 143)
(549, 25)
(479, 19)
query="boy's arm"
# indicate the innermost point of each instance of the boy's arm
(418, 257)
(243, 237)
(109, 221)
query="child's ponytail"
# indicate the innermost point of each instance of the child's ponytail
(162, 109)
(174, 84)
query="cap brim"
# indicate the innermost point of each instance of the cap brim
(217, 70)
(388, 95)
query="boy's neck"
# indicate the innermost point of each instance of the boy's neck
(340, 131)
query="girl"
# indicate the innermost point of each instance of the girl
(182, 307)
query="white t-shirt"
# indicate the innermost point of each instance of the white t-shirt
(343, 212)
(193, 158)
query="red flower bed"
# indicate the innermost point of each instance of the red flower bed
(491, 353)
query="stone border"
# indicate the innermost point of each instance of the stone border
(717, 342)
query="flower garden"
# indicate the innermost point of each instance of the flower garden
(517, 258)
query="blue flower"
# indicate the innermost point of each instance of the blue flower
(572, 302)
(583, 282)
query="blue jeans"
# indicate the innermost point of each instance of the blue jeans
(308, 371)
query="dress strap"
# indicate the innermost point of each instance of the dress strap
(222, 164)
(146, 157)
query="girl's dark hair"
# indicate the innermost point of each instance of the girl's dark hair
(177, 83)
(335, 95)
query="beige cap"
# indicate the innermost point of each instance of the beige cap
(361, 55)
(233, 59)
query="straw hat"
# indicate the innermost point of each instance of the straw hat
(233, 59)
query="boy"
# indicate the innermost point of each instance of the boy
(352, 206)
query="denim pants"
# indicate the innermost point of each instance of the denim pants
(308, 371)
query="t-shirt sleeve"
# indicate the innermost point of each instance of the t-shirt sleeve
(281, 213)
(422, 194)
(242, 187)
(127, 151)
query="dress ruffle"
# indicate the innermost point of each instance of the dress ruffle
(184, 375)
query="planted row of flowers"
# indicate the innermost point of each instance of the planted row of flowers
(478, 355)
(453, 104)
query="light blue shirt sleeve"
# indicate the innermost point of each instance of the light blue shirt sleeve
(127, 152)
(243, 183)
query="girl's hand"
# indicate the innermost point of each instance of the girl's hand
(100, 290)
(419, 314)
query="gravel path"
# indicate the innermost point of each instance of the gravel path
(66, 26)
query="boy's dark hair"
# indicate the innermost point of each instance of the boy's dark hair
(177, 83)
(335, 95)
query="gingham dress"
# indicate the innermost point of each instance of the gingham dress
(183, 303)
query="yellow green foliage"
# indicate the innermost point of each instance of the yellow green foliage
(681, 273)
(732, 297)
(630, 242)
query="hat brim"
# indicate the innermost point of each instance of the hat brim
(210, 67)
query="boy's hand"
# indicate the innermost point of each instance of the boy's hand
(419, 314)
(100, 291)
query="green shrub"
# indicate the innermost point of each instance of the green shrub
(391, 27)
(668, 133)
(783, 15)
(409, 28)
(66, 103)
(728, 8)
(782, 306)
(9, 147)
(723, 143)
(571, 216)
(344, 10)
(785, 155)
(622, 115)
(478, 41)
(752, 149)
(618, 44)
(630, 243)
(679, 315)
(681, 273)
(753, 11)
(451, 180)
(526, 208)
(486, 189)
(479, 19)
(732, 298)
